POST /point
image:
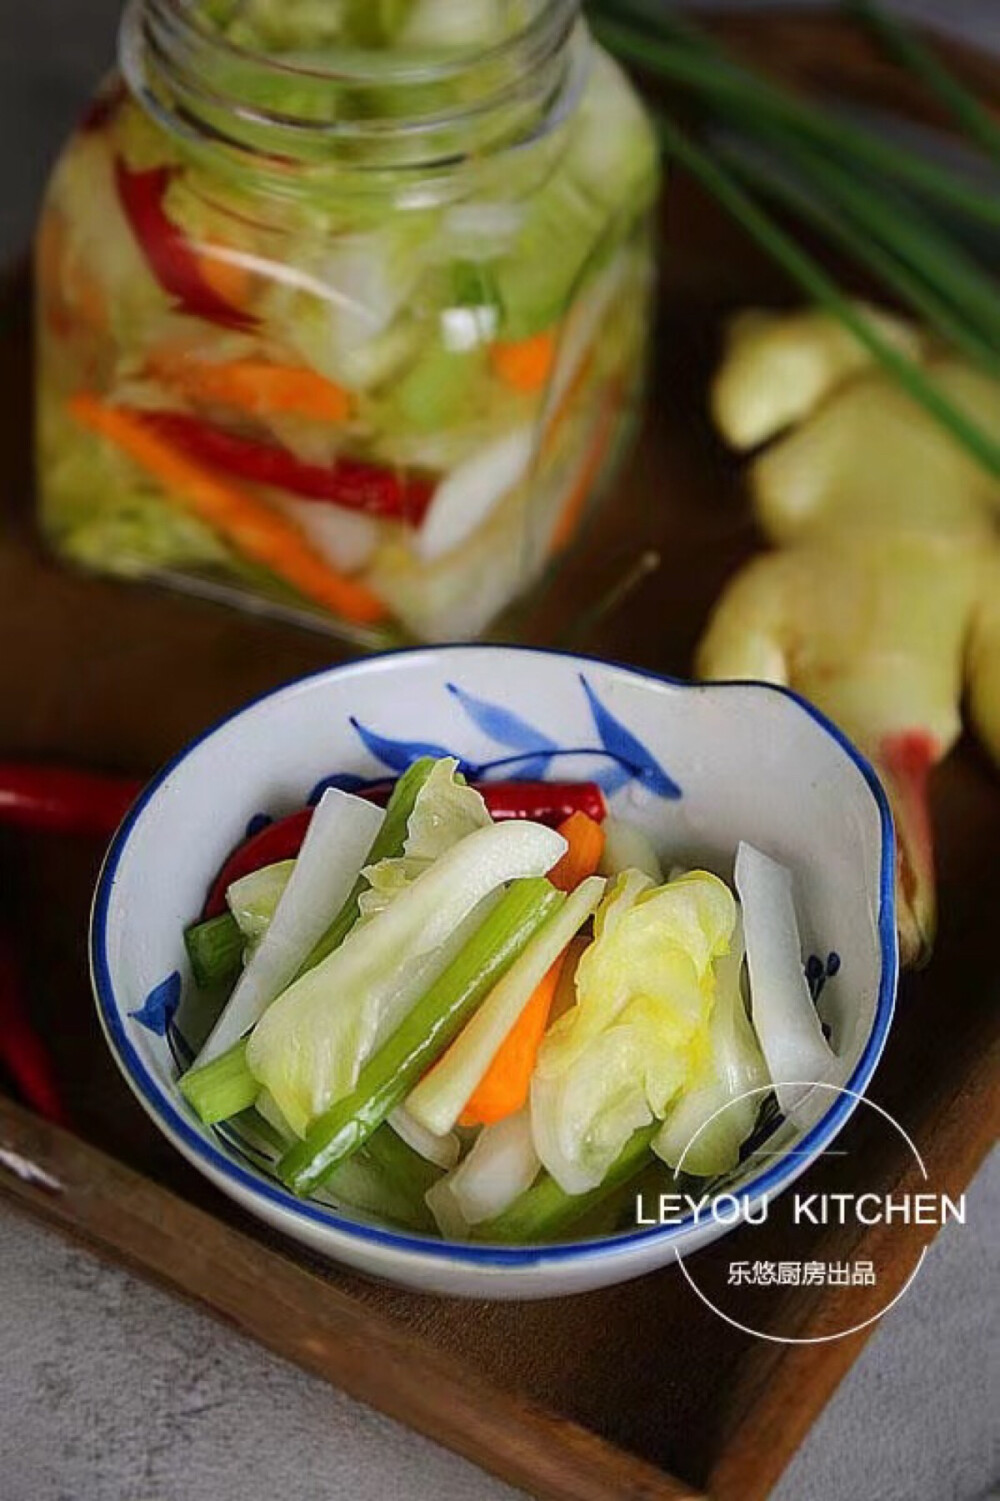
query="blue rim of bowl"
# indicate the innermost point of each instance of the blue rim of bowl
(158, 1103)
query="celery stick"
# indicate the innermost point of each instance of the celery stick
(388, 844)
(221, 1088)
(422, 1036)
(215, 949)
(440, 1096)
(403, 1169)
(546, 1211)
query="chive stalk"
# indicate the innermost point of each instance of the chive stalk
(707, 71)
(919, 295)
(813, 279)
(899, 225)
(546, 1211)
(422, 1036)
(903, 44)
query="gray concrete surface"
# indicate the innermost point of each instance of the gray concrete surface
(110, 1391)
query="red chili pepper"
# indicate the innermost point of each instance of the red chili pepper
(60, 801)
(546, 802)
(347, 482)
(22, 1052)
(281, 840)
(172, 258)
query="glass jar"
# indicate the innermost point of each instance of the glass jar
(342, 305)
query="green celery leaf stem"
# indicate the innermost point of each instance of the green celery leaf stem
(215, 950)
(420, 1039)
(221, 1088)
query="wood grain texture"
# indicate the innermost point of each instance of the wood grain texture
(612, 1394)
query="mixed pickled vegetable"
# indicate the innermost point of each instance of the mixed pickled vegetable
(328, 389)
(464, 1013)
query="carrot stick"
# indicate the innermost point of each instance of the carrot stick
(503, 1089)
(227, 278)
(256, 387)
(243, 520)
(525, 364)
(585, 838)
(583, 483)
(504, 1086)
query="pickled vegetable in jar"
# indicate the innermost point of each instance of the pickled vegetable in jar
(342, 305)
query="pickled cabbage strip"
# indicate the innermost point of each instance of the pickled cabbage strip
(309, 1047)
(704, 1131)
(419, 1038)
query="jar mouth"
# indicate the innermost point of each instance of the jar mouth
(362, 108)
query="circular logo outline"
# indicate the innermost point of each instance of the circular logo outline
(817, 1339)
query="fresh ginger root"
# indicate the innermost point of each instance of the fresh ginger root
(882, 601)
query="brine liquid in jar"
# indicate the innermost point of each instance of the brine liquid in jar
(342, 307)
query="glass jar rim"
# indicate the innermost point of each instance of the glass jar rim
(200, 84)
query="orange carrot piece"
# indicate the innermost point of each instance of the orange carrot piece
(246, 522)
(257, 387)
(503, 1089)
(504, 1086)
(583, 482)
(226, 277)
(525, 364)
(585, 838)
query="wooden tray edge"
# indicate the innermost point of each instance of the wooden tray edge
(124, 1218)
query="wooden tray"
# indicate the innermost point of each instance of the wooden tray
(638, 1391)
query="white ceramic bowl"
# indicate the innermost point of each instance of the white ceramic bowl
(699, 767)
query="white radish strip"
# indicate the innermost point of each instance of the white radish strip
(347, 539)
(340, 834)
(439, 1098)
(502, 1165)
(784, 1016)
(466, 496)
(440, 1200)
(626, 847)
(583, 328)
(443, 1151)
